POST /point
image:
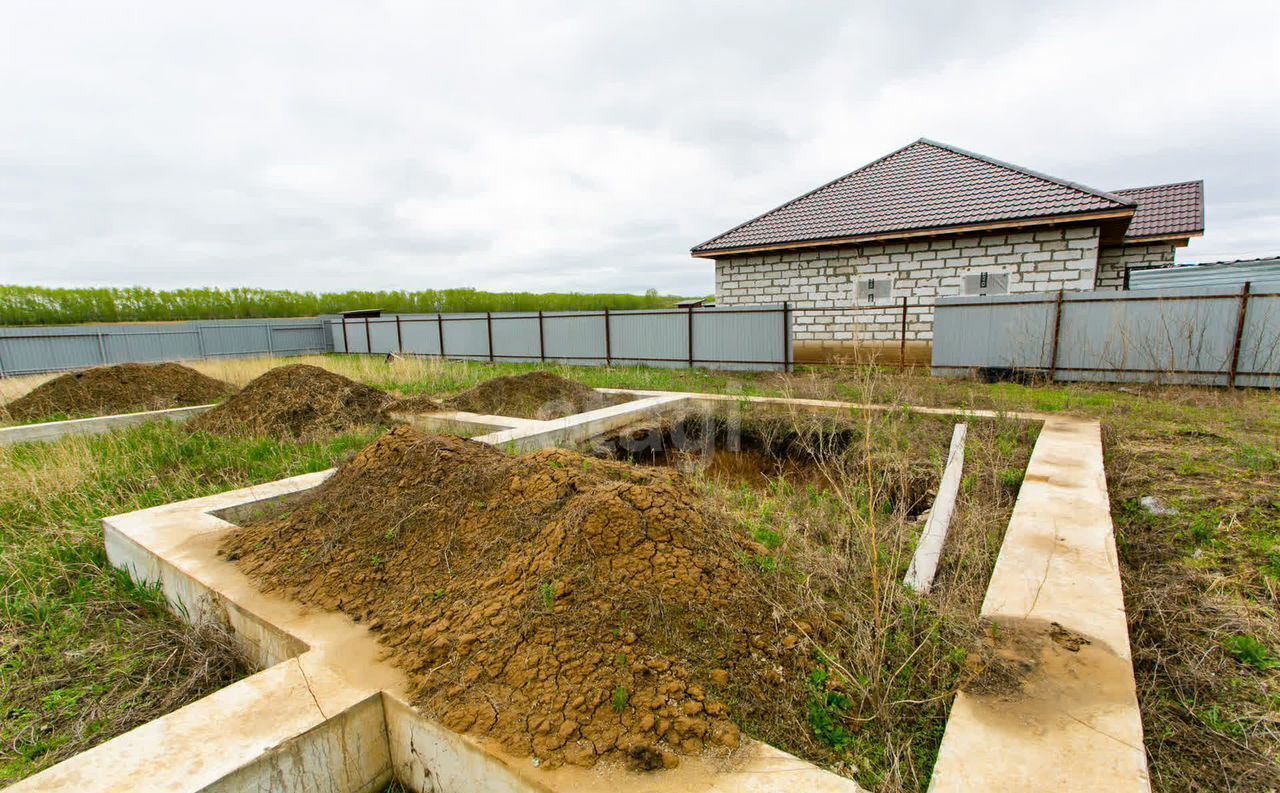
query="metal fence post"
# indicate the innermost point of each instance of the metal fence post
(786, 336)
(368, 337)
(1235, 345)
(488, 321)
(346, 345)
(608, 343)
(690, 310)
(440, 331)
(902, 343)
(399, 337)
(1057, 333)
(542, 341)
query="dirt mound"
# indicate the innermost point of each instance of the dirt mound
(536, 395)
(295, 401)
(125, 388)
(569, 608)
(420, 403)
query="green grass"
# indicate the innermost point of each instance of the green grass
(38, 305)
(1202, 587)
(84, 652)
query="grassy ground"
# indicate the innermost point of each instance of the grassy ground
(833, 503)
(1202, 585)
(84, 653)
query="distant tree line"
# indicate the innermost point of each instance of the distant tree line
(38, 305)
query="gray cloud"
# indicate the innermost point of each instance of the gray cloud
(574, 145)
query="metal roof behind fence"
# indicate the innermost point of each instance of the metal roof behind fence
(1256, 271)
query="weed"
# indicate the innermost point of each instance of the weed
(1251, 652)
(1254, 457)
(827, 710)
(548, 592)
(620, 699)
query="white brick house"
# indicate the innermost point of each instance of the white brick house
(878, 246)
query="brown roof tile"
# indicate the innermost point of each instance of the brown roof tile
(924, 185)
(1166, 210)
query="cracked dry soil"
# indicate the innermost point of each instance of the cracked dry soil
(571, 609)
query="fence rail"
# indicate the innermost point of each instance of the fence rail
(1204, 336)
(37, 349)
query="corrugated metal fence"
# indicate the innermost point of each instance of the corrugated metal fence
(753, 337)
(30, 350)
(1202, 335)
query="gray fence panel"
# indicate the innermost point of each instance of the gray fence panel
(1169, 336)
(421, 333)
(1017, 333)
(739, 339)
(635, 337)
(466, 336)
(382, 334)
(23, 353)
(515, 337)
(231, 340)
(152, 346)
(575, 338)
(298, 339)
(1148, 336)
(31, 350)
(1260, 341)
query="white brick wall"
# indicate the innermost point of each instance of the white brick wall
(1113, 259)
(1038, 261)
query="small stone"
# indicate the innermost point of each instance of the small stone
(1156, 506)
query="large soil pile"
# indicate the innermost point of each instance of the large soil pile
(125, 388)
(537, 395)
(569, 608)
(295, 401)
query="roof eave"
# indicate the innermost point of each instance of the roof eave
(938, 231)
(1178, 235)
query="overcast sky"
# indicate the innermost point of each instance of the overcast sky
(578, 146)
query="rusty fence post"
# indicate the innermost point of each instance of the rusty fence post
(542, 340)
(608, 342)
(346, 345)
(399, 336)
(786, 336)
(1057, 333)
(368, 337)
(1235, 345)
(488, 321)
(690, 310)
(440, 331)
(902, 342)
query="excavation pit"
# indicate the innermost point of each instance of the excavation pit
(764, 448)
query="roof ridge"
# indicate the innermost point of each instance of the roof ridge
(1155, 186)
(817, 189)
(1029, 172)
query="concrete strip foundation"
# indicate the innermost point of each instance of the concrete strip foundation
(924, 564)
(53, 430)
(1076, 724)
(327, 713)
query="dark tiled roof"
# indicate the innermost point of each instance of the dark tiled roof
(926, 185)
(1166, 209)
